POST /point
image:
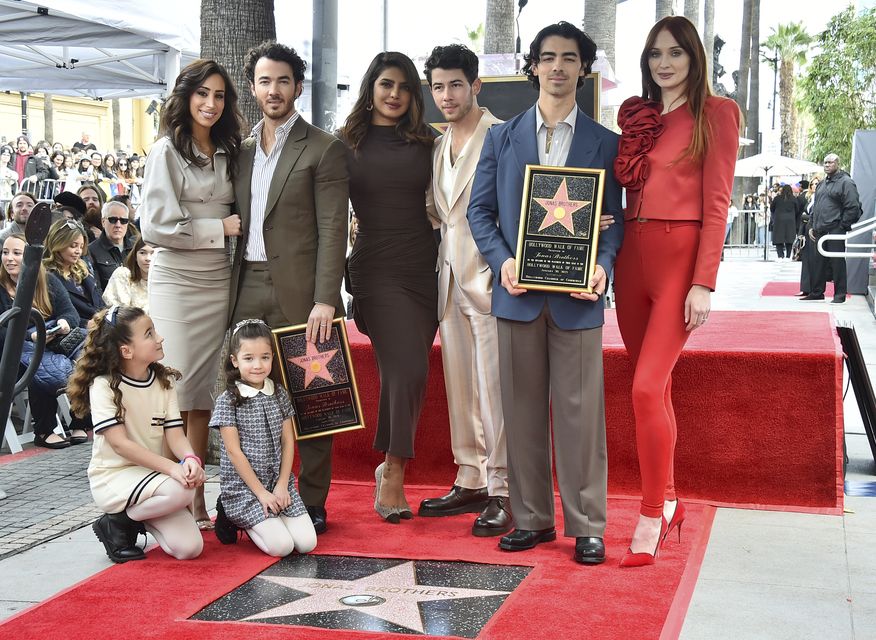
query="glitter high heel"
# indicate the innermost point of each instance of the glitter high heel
(390, 514)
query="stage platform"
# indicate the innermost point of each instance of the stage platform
(758, 400)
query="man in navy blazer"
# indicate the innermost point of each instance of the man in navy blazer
(550, 344)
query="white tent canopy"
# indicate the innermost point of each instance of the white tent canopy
(95, 48)
(773, 164)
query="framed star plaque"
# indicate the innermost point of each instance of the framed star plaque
(559, 228)
(320, 381)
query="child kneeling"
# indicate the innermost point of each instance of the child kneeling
(134, 409)
(254, 418)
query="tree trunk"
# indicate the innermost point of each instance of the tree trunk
(664, 8)
(600, 17)
(252, 22)
(709, 34)
(117, 126)
(752, 120)
(786, 116)
(692, 12)
(499, 27)
(744, 57)
(49, 118)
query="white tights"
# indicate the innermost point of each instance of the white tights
(168, 519)
(281, 535)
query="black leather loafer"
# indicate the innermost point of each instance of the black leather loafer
(523, 539)
(457, 501)
(318, 517)
(495, 519)
(589, 550)
(40, 441)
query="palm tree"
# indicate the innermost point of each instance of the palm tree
(252, 22)
(744, 57)
(600, 18)
(791, 43)
(48, 118)
(692, 11)
(664, 8)
(499, 31)
(709, 33)
(752, 118)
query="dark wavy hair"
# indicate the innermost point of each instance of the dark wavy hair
(586, 49)
(697, 86)
(453, 56)
(101, 357)
(277, 52)
(131, 262)
(411, 126)
(249, 331)
(176, 120)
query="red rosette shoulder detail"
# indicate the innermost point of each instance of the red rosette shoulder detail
(641, 124)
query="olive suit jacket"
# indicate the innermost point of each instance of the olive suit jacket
(305, 223)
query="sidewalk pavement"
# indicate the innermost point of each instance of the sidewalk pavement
(766, 574)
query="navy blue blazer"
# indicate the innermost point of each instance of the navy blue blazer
(494, 213)
(88, 302)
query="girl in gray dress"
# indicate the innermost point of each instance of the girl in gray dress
(254, 417)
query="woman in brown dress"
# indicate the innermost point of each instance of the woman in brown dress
(392, 265)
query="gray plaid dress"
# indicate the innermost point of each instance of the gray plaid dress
(259, 422)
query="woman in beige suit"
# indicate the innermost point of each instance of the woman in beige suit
(186, 214)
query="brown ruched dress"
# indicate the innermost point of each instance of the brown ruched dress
(392, 276)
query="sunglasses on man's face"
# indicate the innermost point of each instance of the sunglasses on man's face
(116, 220)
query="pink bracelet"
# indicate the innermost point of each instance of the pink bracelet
(192, 456)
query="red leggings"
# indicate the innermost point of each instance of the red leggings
(652, 279)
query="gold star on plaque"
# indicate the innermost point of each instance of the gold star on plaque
(560, 208)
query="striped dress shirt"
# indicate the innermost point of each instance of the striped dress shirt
(262, 173)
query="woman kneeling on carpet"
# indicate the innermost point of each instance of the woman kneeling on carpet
(134, 407)
(254, 417)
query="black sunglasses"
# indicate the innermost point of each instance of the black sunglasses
(116, 220)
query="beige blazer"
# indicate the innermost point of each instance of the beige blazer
(457, 251)
(305, 226)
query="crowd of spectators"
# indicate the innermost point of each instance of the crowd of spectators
(47, 169)
(94, 257)
(786, 205)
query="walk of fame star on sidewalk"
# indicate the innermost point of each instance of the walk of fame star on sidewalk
(392, 595)
(560, 208)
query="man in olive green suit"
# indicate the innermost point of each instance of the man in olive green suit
(292, 192)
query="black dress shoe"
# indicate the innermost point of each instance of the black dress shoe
(495, 519)
(523, 539)
(226, 531)
(838, 300)
(589, 550)
(39, 440)
(812, 297)
(457, 501)
(318, 517)
(118, 533)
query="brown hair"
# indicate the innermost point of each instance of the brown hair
(411, 126)
(131, 260)
(176, 120)
(245, 330)
(101, 357)
(42, 302)
(61, 235)
(697, 85)
(27, 194)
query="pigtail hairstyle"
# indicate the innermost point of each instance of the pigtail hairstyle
(101, 356)
(243, 330)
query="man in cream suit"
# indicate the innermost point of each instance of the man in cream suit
(469, 340)
(291, 189)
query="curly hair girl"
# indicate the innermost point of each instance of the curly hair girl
(101, 355)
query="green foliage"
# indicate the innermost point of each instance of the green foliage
(839, 88)
(791, 41)
(476, 37)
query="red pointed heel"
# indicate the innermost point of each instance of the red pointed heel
(676, 521)
(644, 559)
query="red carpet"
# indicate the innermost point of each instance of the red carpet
(757, 398)
(778, 288)
(559, 599)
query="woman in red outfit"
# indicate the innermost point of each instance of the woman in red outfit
(676, 159)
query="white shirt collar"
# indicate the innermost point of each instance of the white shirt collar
(570, 118)
(249, 392)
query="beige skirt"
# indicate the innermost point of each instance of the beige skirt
(115, 490)
(188, 302)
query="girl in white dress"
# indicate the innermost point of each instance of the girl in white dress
(133, 404)
(128, 284)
